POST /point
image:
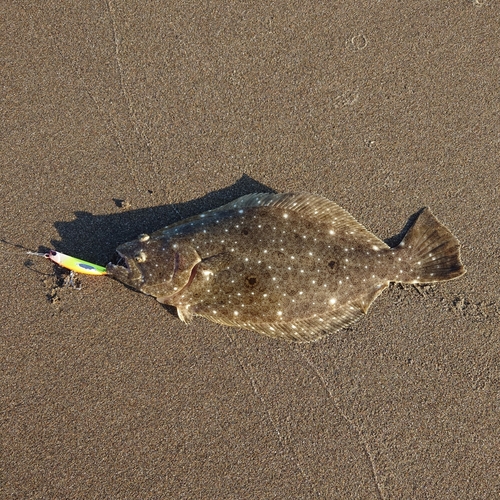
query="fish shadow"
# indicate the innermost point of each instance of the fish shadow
(94, 238)
(394, 241)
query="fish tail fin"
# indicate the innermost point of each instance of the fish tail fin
(431, 252)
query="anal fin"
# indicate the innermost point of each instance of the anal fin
(365, 300)
(303, 330)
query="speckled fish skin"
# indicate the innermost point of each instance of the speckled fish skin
(292, 266)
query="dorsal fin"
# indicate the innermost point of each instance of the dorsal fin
(310, 206)
(313, 207)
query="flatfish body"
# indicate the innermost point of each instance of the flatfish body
(292, 266)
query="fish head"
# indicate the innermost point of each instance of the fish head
(127, 265)
(154, 266)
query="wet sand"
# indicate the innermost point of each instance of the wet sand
(119, 118)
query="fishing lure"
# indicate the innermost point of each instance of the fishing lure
(72, 263)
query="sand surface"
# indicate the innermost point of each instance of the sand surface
(120, 117)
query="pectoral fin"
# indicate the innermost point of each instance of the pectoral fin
(184, 314)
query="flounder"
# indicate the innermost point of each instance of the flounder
(290, 266)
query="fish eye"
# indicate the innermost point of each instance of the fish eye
(140, 257)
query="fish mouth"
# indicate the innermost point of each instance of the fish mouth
(118, 260)
(118, 266)
(125, 270)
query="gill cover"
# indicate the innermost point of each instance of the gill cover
(186, 259)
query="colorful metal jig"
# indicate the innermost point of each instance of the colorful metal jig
(72, 263)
